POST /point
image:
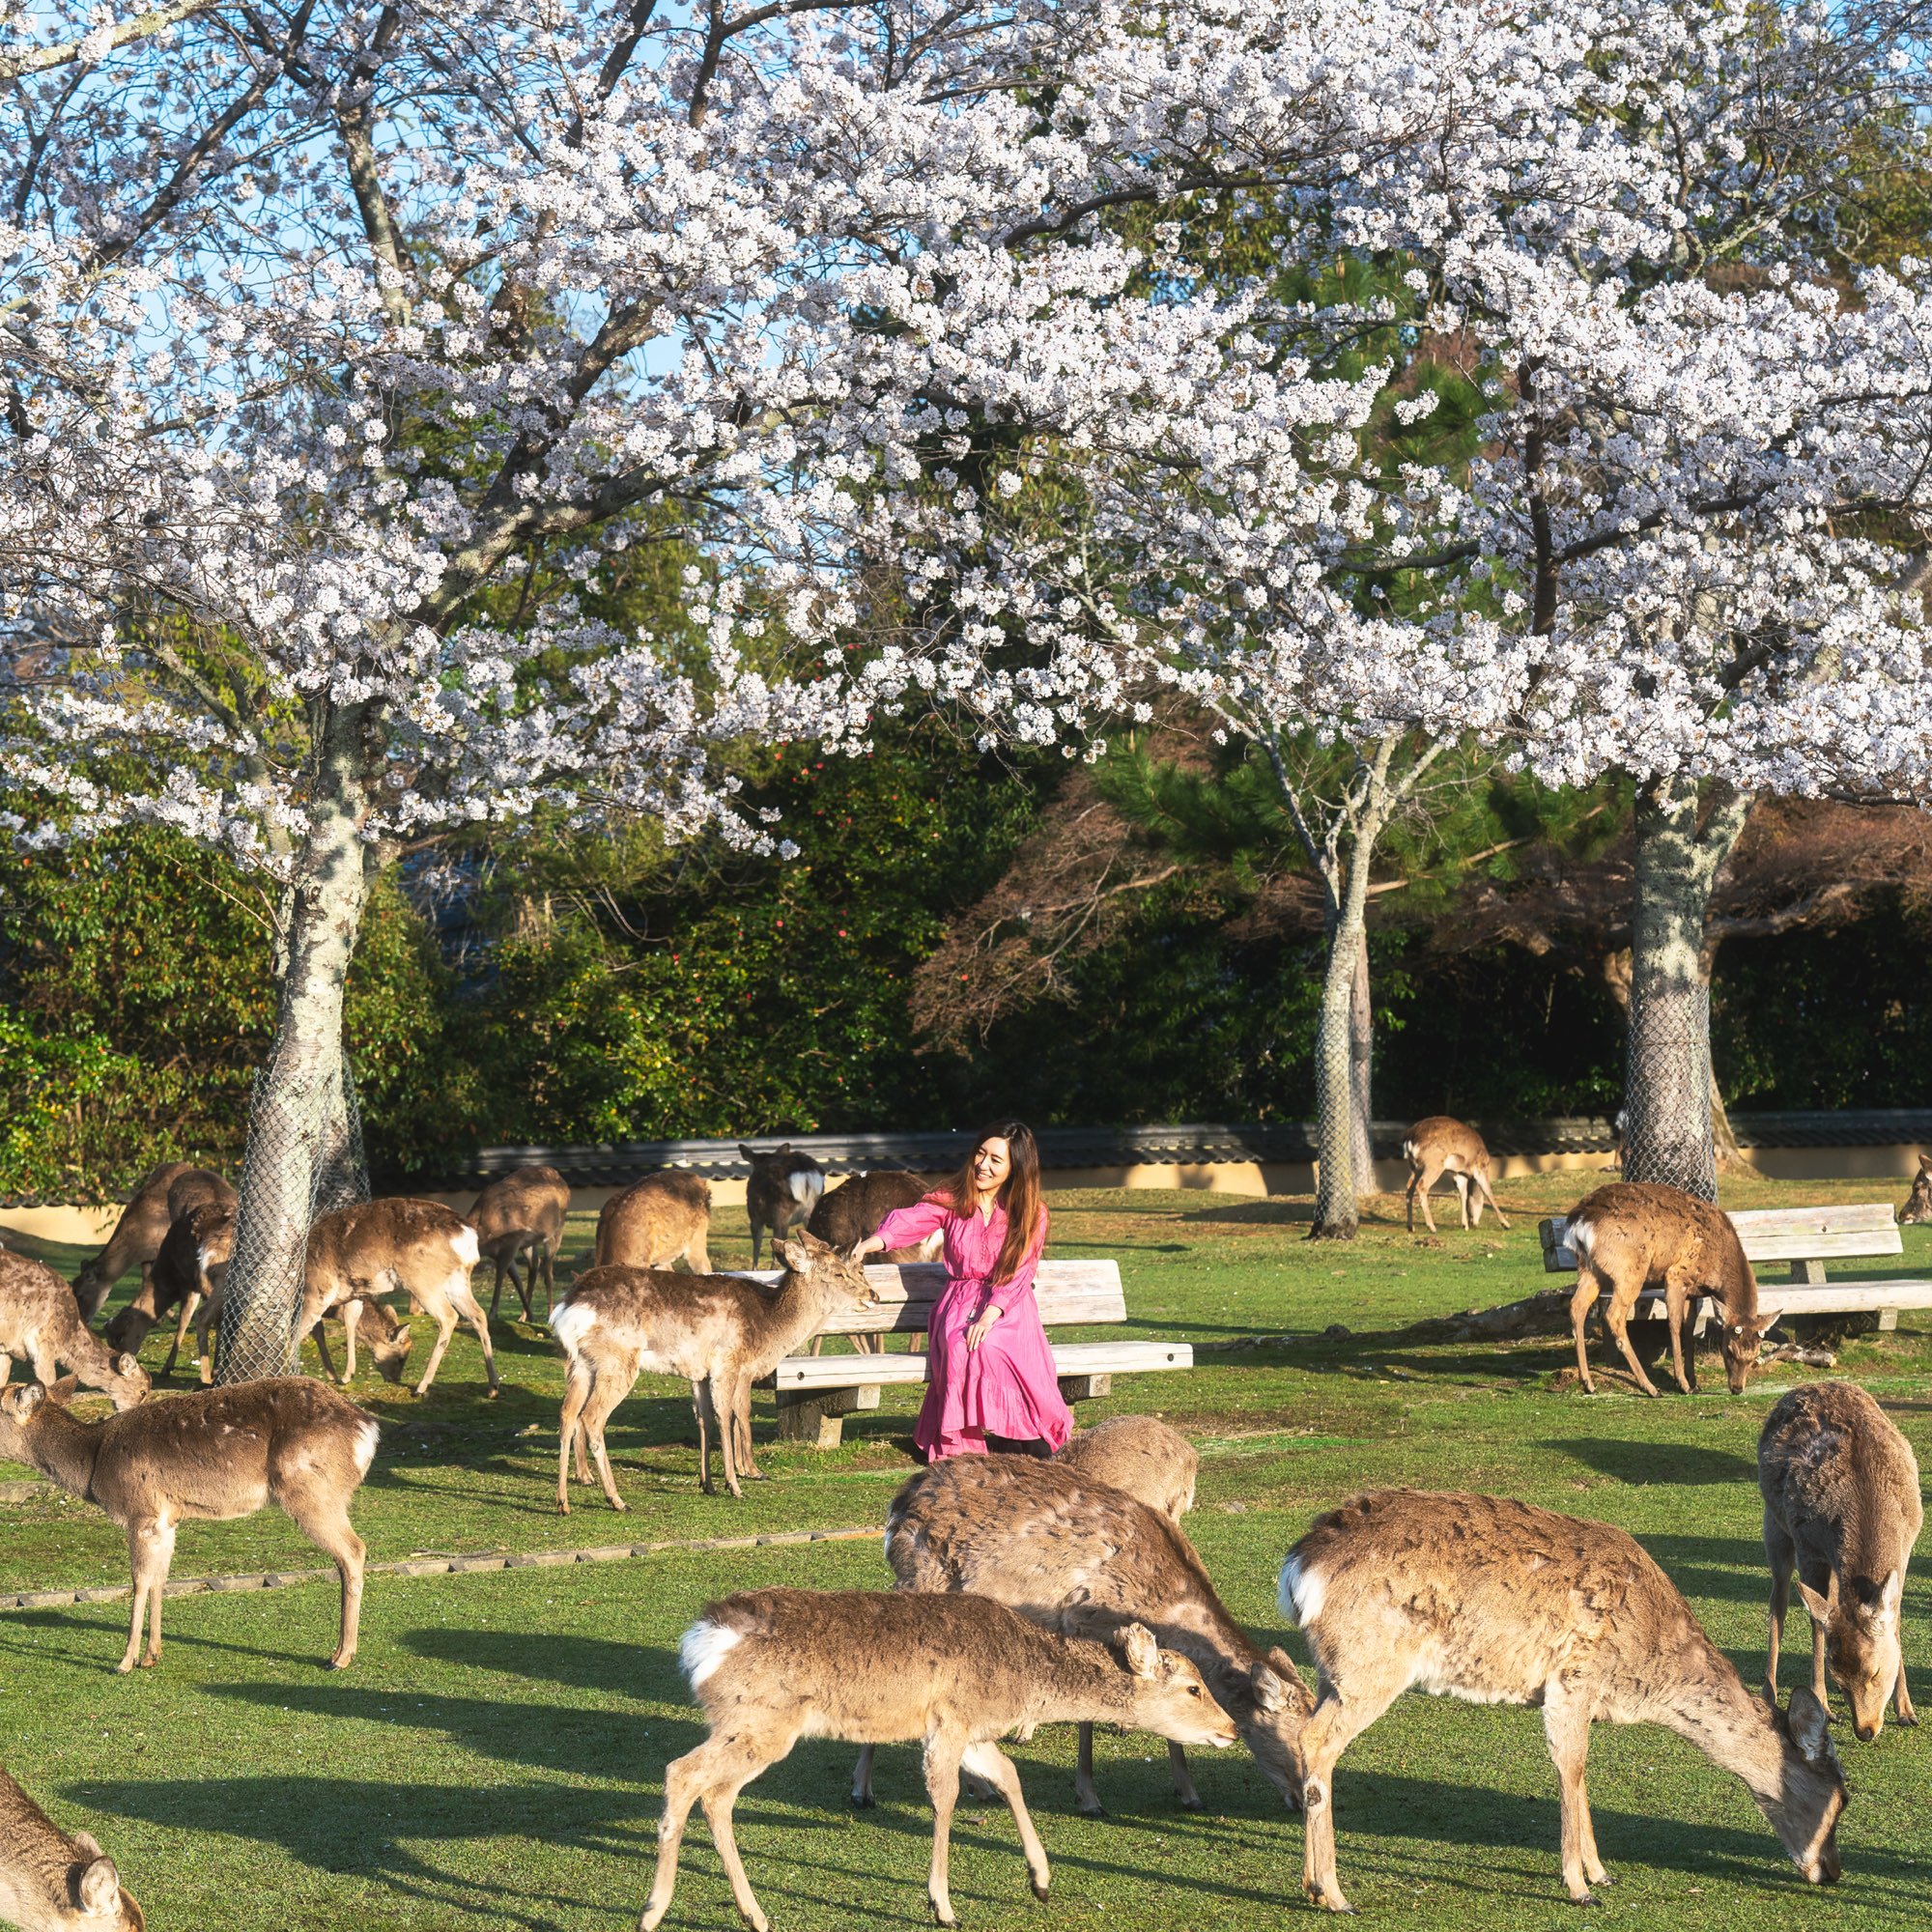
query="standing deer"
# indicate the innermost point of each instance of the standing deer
(1497, 1602)
(783, 1189)
(1632, 1234)
(215, 1454)
(771, 1667)
(522, 1214)
(190, 1272)
(1841, 1506)
(1918, 1203)
(1439, 1146)
(851, 1212)
(719, 1331)
(655, 1220)
(1077, 1556)
(40, 1323)
(54, 1881)
(167, 1278)
(419, 1248)
(1139, 1453)
(135, 1241)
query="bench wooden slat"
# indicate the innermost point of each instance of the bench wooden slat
(1841, 1218)
(1068, 1294)
(804, 1373)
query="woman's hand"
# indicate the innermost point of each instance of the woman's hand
(870, 1245)
(983, 1324)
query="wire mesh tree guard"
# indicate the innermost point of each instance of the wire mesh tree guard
(1666, 1120)
(304, 1157)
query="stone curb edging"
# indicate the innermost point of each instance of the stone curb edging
(425, 1565)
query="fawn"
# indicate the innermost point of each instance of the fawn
(1497, 1602)
(522, 1215)
(771, 1667)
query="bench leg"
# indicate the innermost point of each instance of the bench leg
(1887, 1318)
(817, 1417)
(1085, 1388)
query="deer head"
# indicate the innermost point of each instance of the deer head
(1862, 1646)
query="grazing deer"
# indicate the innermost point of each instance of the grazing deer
(1841, 1506)
(957, 1673)
(719, 1331)
(169, 1277)
(390, 1339)
(1632, 1234)
(1918, 1203)
(1496, 1603)
(1077, 1556)
(1439, 1146)
(851, 1212)
(55, 1881)
(522, 1214)
(783, 1189)
(135, 1241)
(1139, 1453)
(419, 1248)
(200, 1187)
(215, 1454)
(655, 1220)
(40, 1323)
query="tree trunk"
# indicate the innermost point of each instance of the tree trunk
(1361, 1047)
(298, 1127)
(1667, 1085)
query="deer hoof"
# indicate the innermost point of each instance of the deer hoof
(864, 1801)
(124, 1667)
(1585, 1898)
(1039, 1886)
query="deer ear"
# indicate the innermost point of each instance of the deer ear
(62, 1391)
(99, 1886)
(745, 1151)
(1890, 1592)
(127, 1367)
(793, 1255)
(1818, 1608)
(1284, 1667)
(1809, 1723)
(1270, 1695)
(87, 1846)
(1142, 1654)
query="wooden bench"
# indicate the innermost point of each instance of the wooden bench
(815, 1393)
(1807, 1238)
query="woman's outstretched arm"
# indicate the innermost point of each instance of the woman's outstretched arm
(905, 1227)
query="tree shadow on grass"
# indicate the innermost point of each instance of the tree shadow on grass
(1690, 1465)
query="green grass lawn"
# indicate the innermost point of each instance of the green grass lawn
(496, 1754)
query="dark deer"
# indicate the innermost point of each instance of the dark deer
(782, 1191)
(851, 1212)
(1918, 1203)
(135, 1241)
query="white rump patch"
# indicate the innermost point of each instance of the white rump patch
(1582, 1237)
(1409, 1151)
(706, 1645)
(805, 1186)
(463, 1241)
(571, 1322)
(366, 1436)
(1301, 1593)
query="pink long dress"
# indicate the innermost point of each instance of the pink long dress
(1006, 1385)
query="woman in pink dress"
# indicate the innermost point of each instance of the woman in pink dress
(991, 1372)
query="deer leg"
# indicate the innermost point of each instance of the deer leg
(1086, 1793)
(352, 1323)
(1462, 1181)
(550, 1249)
(1676, 1299)
(861, 1779)
(1565, 1725)
(579, 1380)
(757, 1239)
(700, 1406)
(190, 1304)
(322, 1349)
(1483, 1181)
(444, 1318)
(1430, 1176)
(990, 1762)
(324, 1519)
(1616, 1318)
(741, 1424)
(727, 1432)
(526, 1284)
(1819, 1689)
(1580, 1310)
(1783, 1553)
(203, 1325)
(1414, 1174)
(1323, 1739)
(711, 1775)
(151, 1549)
(1183, 1779)
(470, 1309)
(942, 1784)
(1901, 1698)
(604, 1400)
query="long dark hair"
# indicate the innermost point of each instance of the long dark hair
(1018, 1195)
